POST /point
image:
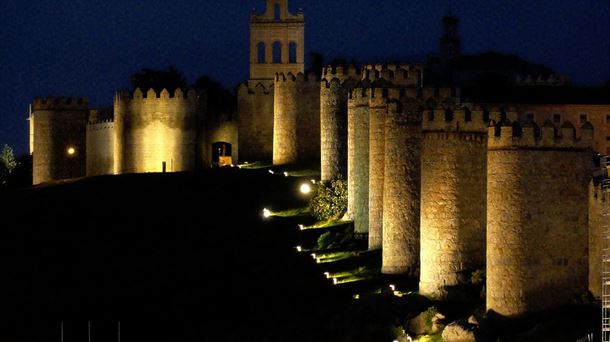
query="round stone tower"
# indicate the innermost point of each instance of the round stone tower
(155, 133)
(59, 138)
(334, 91)
(296, 124)
(358, 169)
(537, 195)
(453, 200)
(378, 112)
(401, 188)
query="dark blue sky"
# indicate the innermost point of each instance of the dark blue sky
(89, 48)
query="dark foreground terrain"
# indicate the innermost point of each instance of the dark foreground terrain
(173, 257)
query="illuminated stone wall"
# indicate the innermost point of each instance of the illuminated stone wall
(378, 112)
(100, 147)
(255, 120)
(351, 161)
(537, 235)
(59, 124)
(359, 104)
(155, 130)
(401, 194)
(597, 200)
(296, 119)
(366, 142)
(453, 200)
(334, 92)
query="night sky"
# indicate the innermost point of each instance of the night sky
(89, 48)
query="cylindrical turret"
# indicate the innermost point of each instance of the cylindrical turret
(401, 199)
(378, 112)
(453, 202)
(358, 185)
(537, 199)
(296, 127)
(334, 91)
(155, 134)
(59, 148)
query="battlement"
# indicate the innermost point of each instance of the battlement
(399, 113)
(514, 135)
(60, 103)
(440, 93)
(340, 73)
(446, 119)
(258, 89)
(398, 74)
(310, 78)
(375, 95)
(99, 125)
(151, 95)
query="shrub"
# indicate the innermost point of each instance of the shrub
(330, 199)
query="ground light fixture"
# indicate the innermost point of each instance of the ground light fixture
(71, 151)
(305, 188)
(299, 248)
(271, 172)
(301, 227)
(327, 275)
(266, 213)
(393, 287)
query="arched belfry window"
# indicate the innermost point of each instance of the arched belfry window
(292, 53)
(277, 12)
(277, 52)
(261, 52)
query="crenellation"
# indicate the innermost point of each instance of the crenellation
(60, 103)
(522, 227)
(513, 135)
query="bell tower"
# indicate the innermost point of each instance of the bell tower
(277, 39)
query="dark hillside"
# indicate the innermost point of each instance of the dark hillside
(172, 256)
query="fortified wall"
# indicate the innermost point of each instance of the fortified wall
(537, 236)
(59, 138)
(296, 119)
(336, 84)
(364, 106)
(453, 201)
(401, 187)
(100, 143)
(255, 101)
(156, 133)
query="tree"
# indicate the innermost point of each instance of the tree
(7, 165)
(169, 79)
(220, 100)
